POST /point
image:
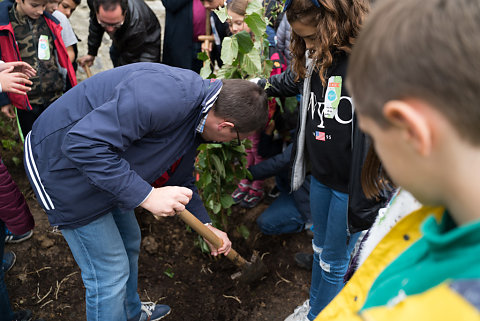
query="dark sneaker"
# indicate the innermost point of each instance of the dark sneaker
(12, 238)
(304, 260)
(22, 315)
(239, 194)
(274, 192)
(152, 312)
(9, 259)
(252, 199)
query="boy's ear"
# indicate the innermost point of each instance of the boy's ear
(409, 117)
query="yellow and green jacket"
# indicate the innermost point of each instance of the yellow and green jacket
(428, 271)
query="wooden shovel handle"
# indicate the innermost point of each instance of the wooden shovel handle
(206, 38)
(87, 70)
(205, 232)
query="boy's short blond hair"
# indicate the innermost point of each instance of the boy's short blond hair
(428, 50)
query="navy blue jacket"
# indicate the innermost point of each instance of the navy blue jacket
(103, 143)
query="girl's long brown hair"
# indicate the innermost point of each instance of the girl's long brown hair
(374, 179)
(338, 23)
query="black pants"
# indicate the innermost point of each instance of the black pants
(26, 118)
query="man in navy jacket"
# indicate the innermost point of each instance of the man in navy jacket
(93, 155)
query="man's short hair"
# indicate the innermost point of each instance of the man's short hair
(428, 50)
(243, 103)
(108, 5)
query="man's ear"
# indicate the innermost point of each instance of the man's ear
(409, 117)
(224, 124)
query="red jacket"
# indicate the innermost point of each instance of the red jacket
(14, 211)
(9, 51)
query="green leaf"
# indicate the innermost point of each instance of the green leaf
(229, 50)
(243, 230)
(205, 179)
(168, 272)
(218, 165)
(291, 103)
(268, 67)
(202, 56)
(216, 208)
(249, 175)
(254, 6)
(17, 161)
(251, 62)
(200, 242)
(226, 200)
(222, 13)
(257, 24)
(245, 43)
(206, 70)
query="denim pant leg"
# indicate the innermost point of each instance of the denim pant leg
(281, 217)
(130, 232)
(109, 267)
(6, 313)
(332, 254)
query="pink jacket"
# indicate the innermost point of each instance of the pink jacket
(14, 210)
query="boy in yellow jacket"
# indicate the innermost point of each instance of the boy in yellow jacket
(414, 74)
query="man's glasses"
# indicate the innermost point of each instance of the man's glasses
(238, 142)
(288, 3)
(111, 25)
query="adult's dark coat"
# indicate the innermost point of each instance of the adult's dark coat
(138, 40)
(178, 39)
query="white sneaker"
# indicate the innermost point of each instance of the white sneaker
(300, 313)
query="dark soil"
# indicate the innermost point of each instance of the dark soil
(47, 280)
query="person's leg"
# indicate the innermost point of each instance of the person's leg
(320, 197)
(335, 254)
(99, 250)
(131, 236)
(197, 64)
(114, 56)
(26, 118)
(281, 217)
(6, 313)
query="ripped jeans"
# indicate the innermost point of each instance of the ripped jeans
(331, 251)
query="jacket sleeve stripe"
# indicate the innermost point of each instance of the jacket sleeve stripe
(35, 178)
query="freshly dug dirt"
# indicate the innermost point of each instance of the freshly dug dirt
(172, 270)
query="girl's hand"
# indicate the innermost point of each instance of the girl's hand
(19, 66)
(14, 82)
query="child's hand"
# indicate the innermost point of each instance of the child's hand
(207, 48)
(9, 110)
(14, 82)
(19, 66)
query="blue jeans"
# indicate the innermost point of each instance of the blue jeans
(106, 250)
(284, 215)
(281, 217)
(6, 313)
(331, 246)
